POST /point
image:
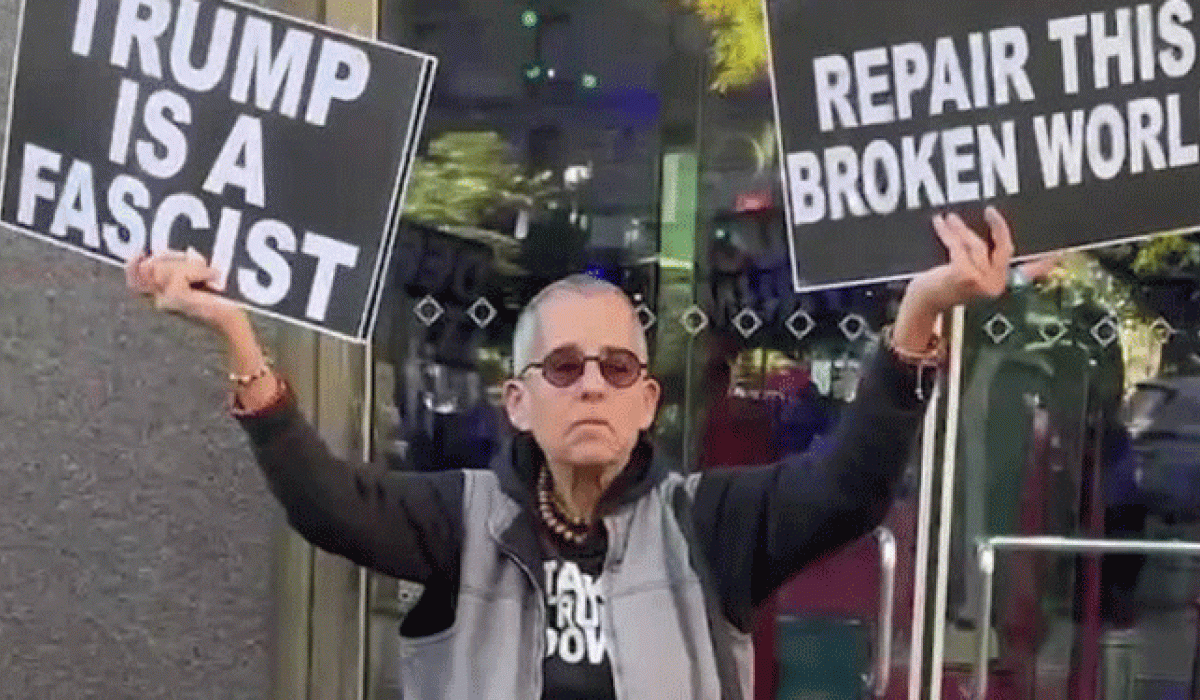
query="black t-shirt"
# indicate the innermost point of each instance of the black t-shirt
(577, 666)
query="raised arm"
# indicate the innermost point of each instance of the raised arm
(407, 525)
(762, 525)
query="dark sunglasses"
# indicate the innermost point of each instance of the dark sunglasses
(564, 366)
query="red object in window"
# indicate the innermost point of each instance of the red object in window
(754, 201)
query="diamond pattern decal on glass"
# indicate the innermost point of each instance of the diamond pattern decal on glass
(482, 312)
(747, 322)
(800, 324)
(646, 317)
(998, 328)
(428, 310)
(1162, 330)
(1052, 331)
(1106, 331)
(694, 320)
(853, 326)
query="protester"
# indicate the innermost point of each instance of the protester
(581, 565)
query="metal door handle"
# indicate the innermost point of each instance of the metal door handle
(986, 561)
(881, 666)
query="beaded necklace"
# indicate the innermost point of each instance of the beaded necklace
(574, 531)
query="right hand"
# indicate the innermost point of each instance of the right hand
(183, 283)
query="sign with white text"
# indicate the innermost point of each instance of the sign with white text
(276, 148)
(1078, 119)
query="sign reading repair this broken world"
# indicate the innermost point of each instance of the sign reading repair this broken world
(1077, 118)
(277, 149)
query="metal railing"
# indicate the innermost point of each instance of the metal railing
(986, 558)
(881, 667)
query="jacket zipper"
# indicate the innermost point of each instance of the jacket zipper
(611, 564)
(539, 642)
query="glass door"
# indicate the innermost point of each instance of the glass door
(1074, 568)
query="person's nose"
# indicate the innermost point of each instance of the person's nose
(592, 383)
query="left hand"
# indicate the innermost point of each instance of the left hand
(974, 272)
(1041, 267)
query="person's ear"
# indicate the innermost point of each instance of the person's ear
(516, 404)
(651, 391)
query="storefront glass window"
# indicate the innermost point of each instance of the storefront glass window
(633, 141)
(1078, 420)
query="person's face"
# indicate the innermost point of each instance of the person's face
(589, 423)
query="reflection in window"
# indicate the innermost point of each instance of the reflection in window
(1080, 399)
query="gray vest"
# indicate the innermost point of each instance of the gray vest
(658, 627)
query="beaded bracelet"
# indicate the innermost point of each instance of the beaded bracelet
(925, 363)
(934, 352)
(245, 380)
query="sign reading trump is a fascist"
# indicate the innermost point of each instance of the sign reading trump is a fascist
(277, 149)
(1078, 119)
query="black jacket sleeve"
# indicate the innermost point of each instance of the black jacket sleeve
(403, 524)
(762, 525)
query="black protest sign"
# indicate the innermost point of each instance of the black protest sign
(276, 148)
(1078, 119)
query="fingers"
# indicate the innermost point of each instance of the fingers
(968, 253)
(142, 275)
(952, 241)
(196, 272)
(1001, 236)
(213, 280)
(1040, 267)
(976, 270)
(977, 249)
(161, 270)
(133, 277)
(182, 283)
(170, 272)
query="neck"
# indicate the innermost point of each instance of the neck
(579, 488)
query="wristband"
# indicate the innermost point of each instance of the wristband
(926, 363)
(244, 380)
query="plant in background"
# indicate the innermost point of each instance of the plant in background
(1115, 279)
(467, 176)
(1111, 276)
(1167, 254)
(1081, 278)
(739, 40)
